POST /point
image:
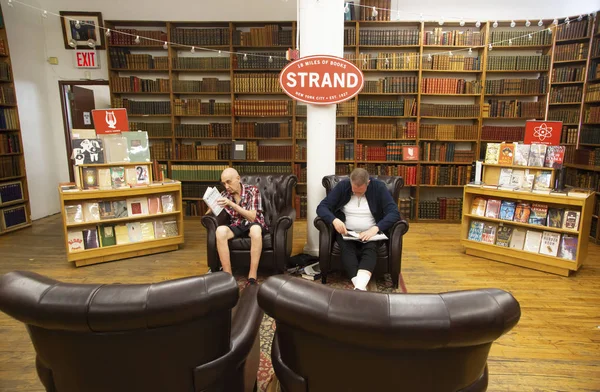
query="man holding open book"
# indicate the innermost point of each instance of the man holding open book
(359, 209)
(243, 204)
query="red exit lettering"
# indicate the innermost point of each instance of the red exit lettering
(86, 59)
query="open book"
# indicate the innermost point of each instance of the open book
(353, 236)
(210, 198)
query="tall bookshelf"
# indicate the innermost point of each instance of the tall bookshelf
(407, 100)
(583, 170)
(14, 192)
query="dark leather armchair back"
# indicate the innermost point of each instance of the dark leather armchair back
(168, 336)
(275, 191)
(383, 342)
(393, 183)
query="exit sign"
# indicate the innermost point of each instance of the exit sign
(86, 59)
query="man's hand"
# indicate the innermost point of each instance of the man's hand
(339, 226)
(224, 202)
(366, 235)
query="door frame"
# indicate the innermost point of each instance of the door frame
(62, 84)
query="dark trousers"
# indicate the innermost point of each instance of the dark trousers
(357, 255)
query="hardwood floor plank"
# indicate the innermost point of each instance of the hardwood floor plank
(555, 346)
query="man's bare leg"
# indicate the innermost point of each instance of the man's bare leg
(224, 234)
(255, 250)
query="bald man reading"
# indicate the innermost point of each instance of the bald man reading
(243, 204)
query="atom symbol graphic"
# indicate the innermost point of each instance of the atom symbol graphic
(542, 132)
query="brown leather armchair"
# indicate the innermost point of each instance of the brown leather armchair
(276, 193)
(389, 253)
(344, 340)
(177, 335)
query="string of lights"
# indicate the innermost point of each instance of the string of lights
(245, 55)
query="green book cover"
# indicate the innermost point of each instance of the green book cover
(137, 146)
(107, 235)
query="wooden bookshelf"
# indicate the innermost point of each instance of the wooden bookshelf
(359, 43)
(15, 209)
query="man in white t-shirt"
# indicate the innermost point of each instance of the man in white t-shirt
(363, 205)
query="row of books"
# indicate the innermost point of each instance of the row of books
(113, 148)
(257, 83)
(385, 61)
(196, 151)
(448, 131)
(568, 74)
(343, 169)
(406, 207)
(531, 213)
(260, 60)
(300, 152)
(216, 130)
(571, 52)
(12, 217)
(10, 143)
(271, 107)
(519, 38)
(402, 107)
(142, 107)
(342, 131)
(513, 109)
(407, 172)
(384, 8)
(435, 110)
(122, 59)
(399, 84)
(567, 116)
(204, 85)
(7, 95)
(519, 154)
(160, 151)
(517, 86)
(566, 94)
(9, 118)
(121, 234)
(575, 29)
(301, 172)
(450, 86)
(451, 63)
(199, 63)
(135, 84)
(262, 130)
(590, 115)
(200, 107)
(588, 157)
(445, 152)
(301, 206)
(569, 135)
(201, 36)
(10, 167)
(467, 37)
(4, 71)
(590, 136)
(11, 191)
(196, 190)
(392, 151)
(3, 47)
(444, 208)
(518, 63)
(524, 180)
(445, 175)
(269, 35)
(500, 133)
(114, 177)
(387, 131)
(96, 211)
(196, 172)
(153, 129)
(387, 37)
(546, 243)
(194, 208)
(349, 36)
(127, 37)
(268, 169)
(592, 94)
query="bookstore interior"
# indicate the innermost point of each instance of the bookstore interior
(485, 132)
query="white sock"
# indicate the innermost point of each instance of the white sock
(361, 280)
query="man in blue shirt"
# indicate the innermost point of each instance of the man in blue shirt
(363, 205)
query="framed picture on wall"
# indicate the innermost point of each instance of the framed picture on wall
(82, 28)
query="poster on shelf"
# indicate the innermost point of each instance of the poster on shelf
(108, 121)
(543, 132)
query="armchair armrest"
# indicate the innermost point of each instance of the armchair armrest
(211, 222)
(245, 323)
(326, 238)
(283, 237)
(395, 249)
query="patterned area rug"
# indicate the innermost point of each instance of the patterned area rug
(267, 327)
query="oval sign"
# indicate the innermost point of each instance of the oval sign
(321, 80)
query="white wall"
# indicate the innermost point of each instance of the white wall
(32, 39)
(101, 96)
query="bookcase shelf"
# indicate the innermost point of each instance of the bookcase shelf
(14, 190)
(526, 225)
(357, 43)
(102, 252)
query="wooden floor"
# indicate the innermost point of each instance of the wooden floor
(555, 346)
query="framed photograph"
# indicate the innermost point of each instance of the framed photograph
(87, 29)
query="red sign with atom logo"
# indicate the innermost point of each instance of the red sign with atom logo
(543, 132)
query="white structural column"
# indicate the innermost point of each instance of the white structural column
(321, 25)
